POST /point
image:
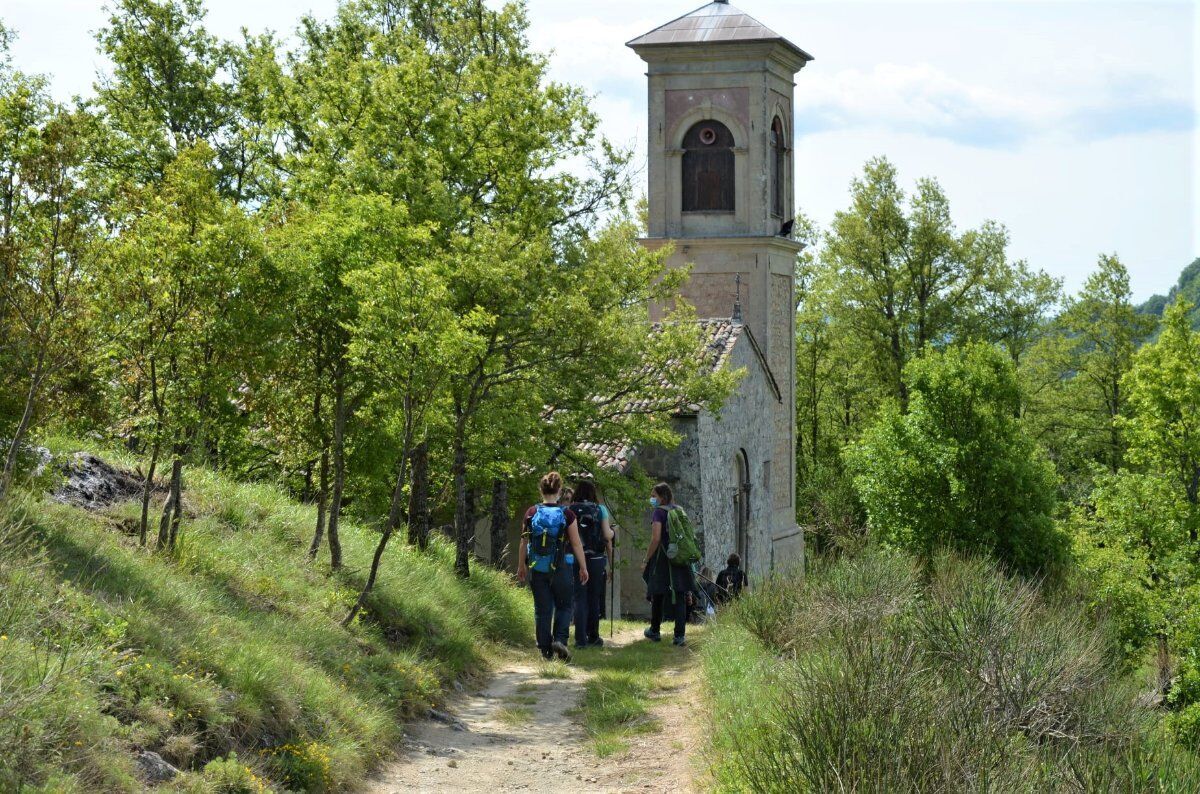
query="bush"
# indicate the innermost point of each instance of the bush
(885, 677)
(957, 469)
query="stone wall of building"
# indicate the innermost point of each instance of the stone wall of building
(743, 425)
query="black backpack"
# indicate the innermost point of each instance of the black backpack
(591, 528)
(730, 582)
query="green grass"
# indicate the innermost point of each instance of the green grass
(874, 674)
(554, 670)
(619, 694)
(226, 656)
(515, 715)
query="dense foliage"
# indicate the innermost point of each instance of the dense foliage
(958, 469)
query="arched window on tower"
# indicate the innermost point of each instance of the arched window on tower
(778, 168)
(708, 170)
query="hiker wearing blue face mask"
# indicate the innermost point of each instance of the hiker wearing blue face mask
(667, 581)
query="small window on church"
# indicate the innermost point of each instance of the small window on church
(778, 167)
(708, 168)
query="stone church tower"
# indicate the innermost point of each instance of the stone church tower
(721, 189)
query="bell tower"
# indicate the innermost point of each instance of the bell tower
(721, 173)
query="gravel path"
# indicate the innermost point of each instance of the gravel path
(521, 734)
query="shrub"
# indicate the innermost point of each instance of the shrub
(955, 678)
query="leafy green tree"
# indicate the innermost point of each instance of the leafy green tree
(957, 469)
(407, 336)
(174, 85)
(180, 291)
(1163, 390)
(1134, 550)
(49, 238)
(1104, 329)
(909, 279)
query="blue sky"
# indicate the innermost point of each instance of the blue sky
(1073, 123)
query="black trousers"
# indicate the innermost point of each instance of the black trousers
(553, 597)
(659, 603)
(589, 601)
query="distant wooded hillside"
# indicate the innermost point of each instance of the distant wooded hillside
(1188, 287)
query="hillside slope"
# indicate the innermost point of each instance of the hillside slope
(225, 659)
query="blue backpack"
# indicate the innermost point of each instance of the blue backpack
(547, 528)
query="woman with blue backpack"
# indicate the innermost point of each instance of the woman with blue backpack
(668, 563)
(543, 558)
(595, 532)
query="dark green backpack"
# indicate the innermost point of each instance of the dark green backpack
(683, 548)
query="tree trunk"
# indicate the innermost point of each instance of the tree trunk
(177, 495)
(462, 528)
(168, 514)
(147, 489)
(418, 498)
(339, 478)
(393, 523)
(499, 522)
(14, 447)
(322, 503)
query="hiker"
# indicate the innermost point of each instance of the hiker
(595, 532)
(566, 497)
(550, 567)
(667, 571)
(732, 580)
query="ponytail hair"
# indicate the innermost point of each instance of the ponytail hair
(552, 483)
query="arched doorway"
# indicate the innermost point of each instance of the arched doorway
(741, 507)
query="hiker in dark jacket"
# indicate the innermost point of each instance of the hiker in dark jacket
(595, 532)
(666, 584)
(544, 558)
(731, 581)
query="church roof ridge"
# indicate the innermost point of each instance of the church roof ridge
(712, 23)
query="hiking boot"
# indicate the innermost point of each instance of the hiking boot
(547, 655)
(680, 641)
(560, 651)
(652, 635)
(597, 643)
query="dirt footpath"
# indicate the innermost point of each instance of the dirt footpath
(521, 734)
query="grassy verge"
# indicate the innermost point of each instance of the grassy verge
(872, 675)
(226, 657)
(619, 694)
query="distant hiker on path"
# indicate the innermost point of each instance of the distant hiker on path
(668, 571)
(732, 580)
(544, 558)
(595, 531)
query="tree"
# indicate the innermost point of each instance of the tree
(909, 279)
(957, 469)
(1163, 393)
(407, 336)
(49, 236)
(175, 85)
(181, 291)
(1104, 329)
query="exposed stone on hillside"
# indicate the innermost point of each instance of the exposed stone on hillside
(153, 769)
(92, 484)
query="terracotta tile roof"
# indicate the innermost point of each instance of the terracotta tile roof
(715, 22)
(720, 337)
